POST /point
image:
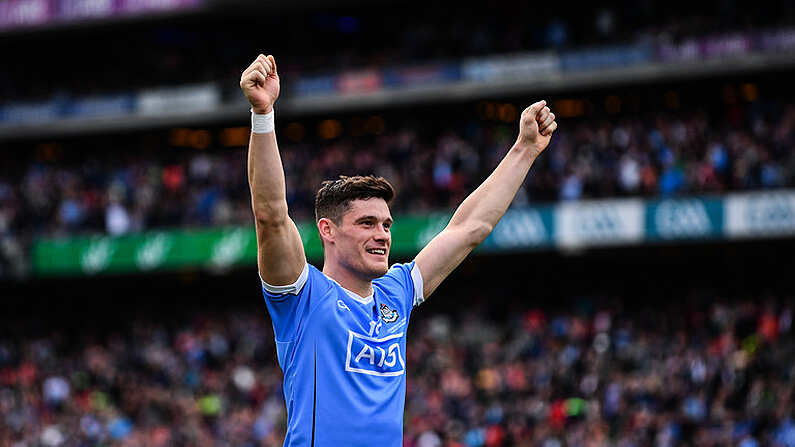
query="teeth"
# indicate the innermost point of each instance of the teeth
(377, 251)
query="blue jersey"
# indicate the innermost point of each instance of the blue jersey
(344, 357)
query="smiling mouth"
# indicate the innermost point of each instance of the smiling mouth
(377, 251)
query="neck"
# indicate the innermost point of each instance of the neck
(348, 279)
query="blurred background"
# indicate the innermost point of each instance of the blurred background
(638, 292)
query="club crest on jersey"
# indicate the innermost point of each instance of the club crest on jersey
(388, 315)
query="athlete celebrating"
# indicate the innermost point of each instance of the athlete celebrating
(341, 332)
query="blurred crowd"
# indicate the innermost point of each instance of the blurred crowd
(705, 375)
(135, 188)
(130, 189)
(217, 47)
(653, 154)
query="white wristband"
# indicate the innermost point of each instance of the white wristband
(262, 123)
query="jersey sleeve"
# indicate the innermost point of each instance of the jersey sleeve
(288, 305)
(407, 280)
(278, 292)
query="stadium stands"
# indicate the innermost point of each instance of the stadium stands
(676, 339)
(134, 188)
(212, 46)
(706, 374)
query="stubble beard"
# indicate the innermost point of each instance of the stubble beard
(374, 270)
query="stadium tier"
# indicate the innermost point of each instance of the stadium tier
(211, 45)
(637, 292)
(542, 378)
(665, 347)
(185, 71)
(705, 139)
(697, 138)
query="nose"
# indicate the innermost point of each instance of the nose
(382, 234)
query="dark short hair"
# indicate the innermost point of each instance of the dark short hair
(334, 196)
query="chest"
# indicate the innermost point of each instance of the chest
(370, 337)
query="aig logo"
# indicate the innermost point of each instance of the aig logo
(374, 356)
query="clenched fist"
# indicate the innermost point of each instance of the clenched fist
(260, 83)
(536, 127)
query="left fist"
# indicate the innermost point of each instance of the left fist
(536, 126)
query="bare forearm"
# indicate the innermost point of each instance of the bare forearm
(477, 215)
(474, 219)
(487, 204)
(266, 177)
(481, 211)
(260, 84)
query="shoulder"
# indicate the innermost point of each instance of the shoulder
(310, 278)
(404, 279)
(399, 272)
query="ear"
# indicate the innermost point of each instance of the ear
(327, 230)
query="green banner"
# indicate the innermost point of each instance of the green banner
(586, 223)
(215, 249)
(163, 250)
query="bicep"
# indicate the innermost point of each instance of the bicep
(280, 252)
(442, 255)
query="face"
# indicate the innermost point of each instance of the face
(361, 243)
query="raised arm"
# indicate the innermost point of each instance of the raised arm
(280, 253)
(477, 215)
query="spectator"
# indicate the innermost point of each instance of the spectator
(717, 375)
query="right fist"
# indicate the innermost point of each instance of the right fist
(536, 126)
(260, 84)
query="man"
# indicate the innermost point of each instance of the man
(341, 333)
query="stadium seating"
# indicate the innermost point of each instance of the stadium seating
(676, 331)
(653, 154)
(718, 374)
